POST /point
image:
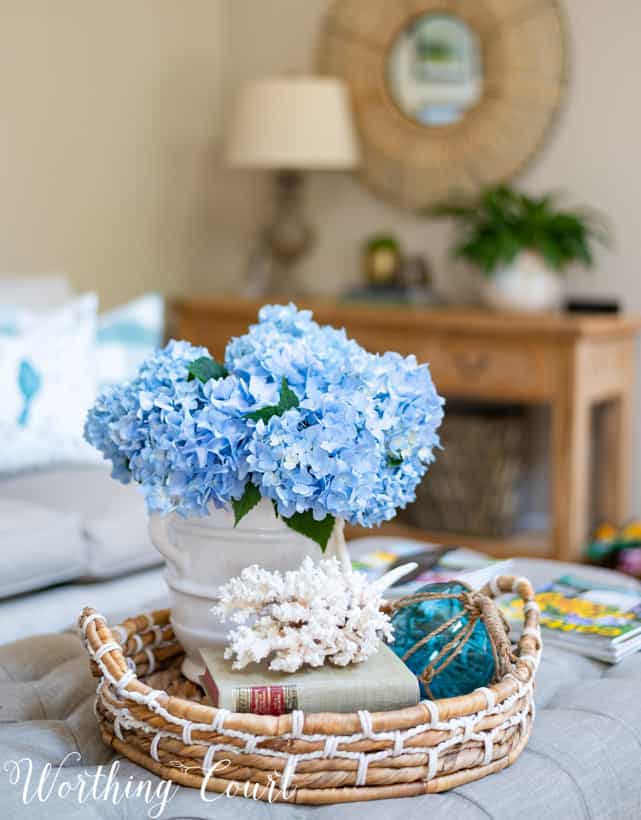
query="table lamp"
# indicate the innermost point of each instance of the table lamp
(289, 125)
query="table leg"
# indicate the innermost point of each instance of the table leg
(614, 446)
(570, 477)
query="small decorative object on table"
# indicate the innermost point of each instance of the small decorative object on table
(521, 244)
(148, 712)
(453, 638)
(416, 271)
(298, 431)
(390, 276)
(617, 548)
(382, 260)
(310, 616)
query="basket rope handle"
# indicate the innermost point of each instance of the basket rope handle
(106, 652)
(528, 652)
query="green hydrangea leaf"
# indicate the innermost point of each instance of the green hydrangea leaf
(394, 461)
(246, 502)
(206, 368)
(287, 400)
(305, 524)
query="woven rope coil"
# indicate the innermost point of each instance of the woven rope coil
(153, 717)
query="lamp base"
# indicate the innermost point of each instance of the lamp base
(284, 241)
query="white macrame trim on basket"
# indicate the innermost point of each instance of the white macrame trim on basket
(463, 727)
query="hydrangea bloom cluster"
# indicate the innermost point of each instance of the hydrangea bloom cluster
(183, 441)
(303, 617)
(365, 429)
(287, 343)
(354, 442)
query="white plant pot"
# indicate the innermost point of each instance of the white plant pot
(203, 553)
(527, 284)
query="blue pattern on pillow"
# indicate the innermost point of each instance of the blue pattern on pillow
(29, 383)
(8, 322)
(47, 384)
(129, 333)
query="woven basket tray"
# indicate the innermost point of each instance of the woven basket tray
(152, 715)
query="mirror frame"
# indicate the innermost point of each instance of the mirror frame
(524, 61)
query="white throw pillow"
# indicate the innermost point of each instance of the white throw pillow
(47, 384)
(41, 291)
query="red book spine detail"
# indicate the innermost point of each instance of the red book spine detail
(267, 700)
(257, 700)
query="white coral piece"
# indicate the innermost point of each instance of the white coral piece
(309, 616)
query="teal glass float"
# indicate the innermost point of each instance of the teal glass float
(451, 637)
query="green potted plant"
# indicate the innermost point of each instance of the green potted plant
(434, 51)
(521, 244)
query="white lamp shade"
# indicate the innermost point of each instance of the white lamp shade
(293, 123)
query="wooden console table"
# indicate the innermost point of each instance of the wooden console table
(572, 363)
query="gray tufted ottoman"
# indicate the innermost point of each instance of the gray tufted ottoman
(584, 759)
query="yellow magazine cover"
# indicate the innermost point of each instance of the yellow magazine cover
(572, 605)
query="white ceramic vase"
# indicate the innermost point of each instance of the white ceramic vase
(203, 553)
(527, 284)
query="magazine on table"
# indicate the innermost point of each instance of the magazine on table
(593, 619)
(376, 555)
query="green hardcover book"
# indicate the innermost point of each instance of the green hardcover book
(380, 683)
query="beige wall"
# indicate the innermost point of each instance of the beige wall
(108, 117)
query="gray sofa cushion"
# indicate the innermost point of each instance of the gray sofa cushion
(110, 518)
(56, 609)
(583, 761)
(40, 546)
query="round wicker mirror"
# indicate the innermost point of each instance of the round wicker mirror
(448, 94)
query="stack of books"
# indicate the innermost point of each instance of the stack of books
(591, 619)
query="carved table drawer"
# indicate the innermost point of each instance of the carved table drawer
(461, 366)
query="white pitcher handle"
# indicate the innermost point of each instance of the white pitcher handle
(159, 534)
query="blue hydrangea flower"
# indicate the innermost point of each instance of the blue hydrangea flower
(287, 343)
(184, 442)
(118, 423)
(364, 433)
